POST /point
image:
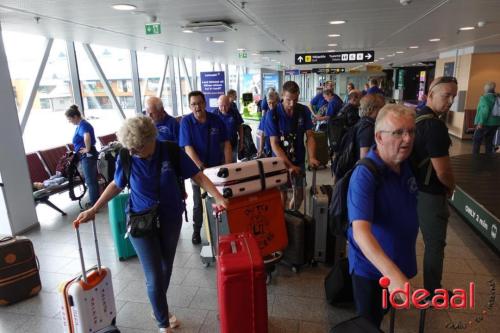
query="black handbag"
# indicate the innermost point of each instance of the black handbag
(143, 224)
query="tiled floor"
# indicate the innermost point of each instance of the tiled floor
(296, 302)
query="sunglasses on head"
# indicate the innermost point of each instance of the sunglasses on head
(443, 79)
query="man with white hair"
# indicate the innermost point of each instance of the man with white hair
(486, 123)
(382, 209)
(167, 126)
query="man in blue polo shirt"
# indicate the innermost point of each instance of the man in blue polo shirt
(319, 100)
(167, 126)
(374, 89)
(333, 106)
(286, 127)
(383, 221)
(273, 99)
(232, 120)
(204, 137)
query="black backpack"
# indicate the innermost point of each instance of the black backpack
(336, 128)
(174, 152)
(68, 167)
(346, 157)
(338, 220)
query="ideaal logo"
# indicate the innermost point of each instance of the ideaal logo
(460, 299)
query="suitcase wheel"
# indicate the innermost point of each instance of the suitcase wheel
(269, 278)
(295, 268)
(206, 264)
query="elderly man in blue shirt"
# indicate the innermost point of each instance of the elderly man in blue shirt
(204, 138)
(166, 125)
(233, 121)
(382, 209)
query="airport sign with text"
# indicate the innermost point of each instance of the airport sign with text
(334, 57)
(328, 70)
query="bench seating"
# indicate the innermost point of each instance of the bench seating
(107, 139)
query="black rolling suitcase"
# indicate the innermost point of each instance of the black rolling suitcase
(19, 271)
(300, 230)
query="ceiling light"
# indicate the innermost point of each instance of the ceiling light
(330, 51)
(187, 31)
(337, 22)
(332, 44)
(240, 49)
(434, 40)
(333, 35)
(399, 52)
(123, 6)
(381, 58)
(413, 47)
(466, 28)
(255, 54)
(218, 41)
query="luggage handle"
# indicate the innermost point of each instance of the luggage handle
(313, 186)
(217, 212)
(82, 262)
(304, 192)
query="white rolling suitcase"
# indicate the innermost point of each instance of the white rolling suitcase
(237, 179)
(87, 301)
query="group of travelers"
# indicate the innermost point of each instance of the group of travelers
(386, 208)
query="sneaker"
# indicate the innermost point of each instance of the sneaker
(196, 238)
(165, 330)
(172, 319)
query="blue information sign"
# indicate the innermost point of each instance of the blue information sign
(270, 80)
(292, 71)
(212, 85)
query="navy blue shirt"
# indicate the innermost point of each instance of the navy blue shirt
(232, 120)
(318, 101)
(374, 90)
(196, 134)
(267, 141)
(151, 185)
(365, 135)
(334, 106)
(284, 126)
(78, 138)
(391, 208)
(168, 129)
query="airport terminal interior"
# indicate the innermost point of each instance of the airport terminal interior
(108, 57)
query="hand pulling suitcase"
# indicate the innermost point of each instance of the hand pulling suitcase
(300, 232)
(87, 301)
(241, 285)
(322, 154)
(323, 241)
(19, 271)
(238, 179)
(118, 225)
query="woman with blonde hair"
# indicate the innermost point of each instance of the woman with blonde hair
(155, 190)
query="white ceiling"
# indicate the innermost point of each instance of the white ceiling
(287, 25)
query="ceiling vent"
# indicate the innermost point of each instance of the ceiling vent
(269, 52)
(209, 27)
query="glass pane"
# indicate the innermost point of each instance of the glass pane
(185, 86)
(166, 94)
(150, 72)
(202, 66)
(23, 60)
(97, 105)
(233, 77)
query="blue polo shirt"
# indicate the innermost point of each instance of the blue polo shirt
(391, 208)
(263, 104)
(82, 128)
(196, 134)
(374, 90)
(318, 101)
(168, 129)
(148, 187)
(334, 106)
(284, 126)
(267, 141)
(232, 120)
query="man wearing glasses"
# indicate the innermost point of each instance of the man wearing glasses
(204, 137)
(382, 209)
(434, 176)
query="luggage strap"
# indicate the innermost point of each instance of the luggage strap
(262, 175)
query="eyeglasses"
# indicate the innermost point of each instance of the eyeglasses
(196, 104)
(399, 133)
(443, 79)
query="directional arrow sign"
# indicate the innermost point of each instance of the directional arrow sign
(334, 57)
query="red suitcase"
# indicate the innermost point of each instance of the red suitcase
(241, 285)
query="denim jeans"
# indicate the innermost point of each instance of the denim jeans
(197, 207)
(156, 254)
(486, 133)
(89, 167)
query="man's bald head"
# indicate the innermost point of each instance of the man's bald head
(154, 109)
(224, 103)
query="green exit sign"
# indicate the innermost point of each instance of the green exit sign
(242, 55)
(153, 29)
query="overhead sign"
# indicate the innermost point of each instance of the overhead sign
(153, 28)
(292, 71)
(270, 80)
(306, 71)
(328, 70)
(212, 85)
(334, 57)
